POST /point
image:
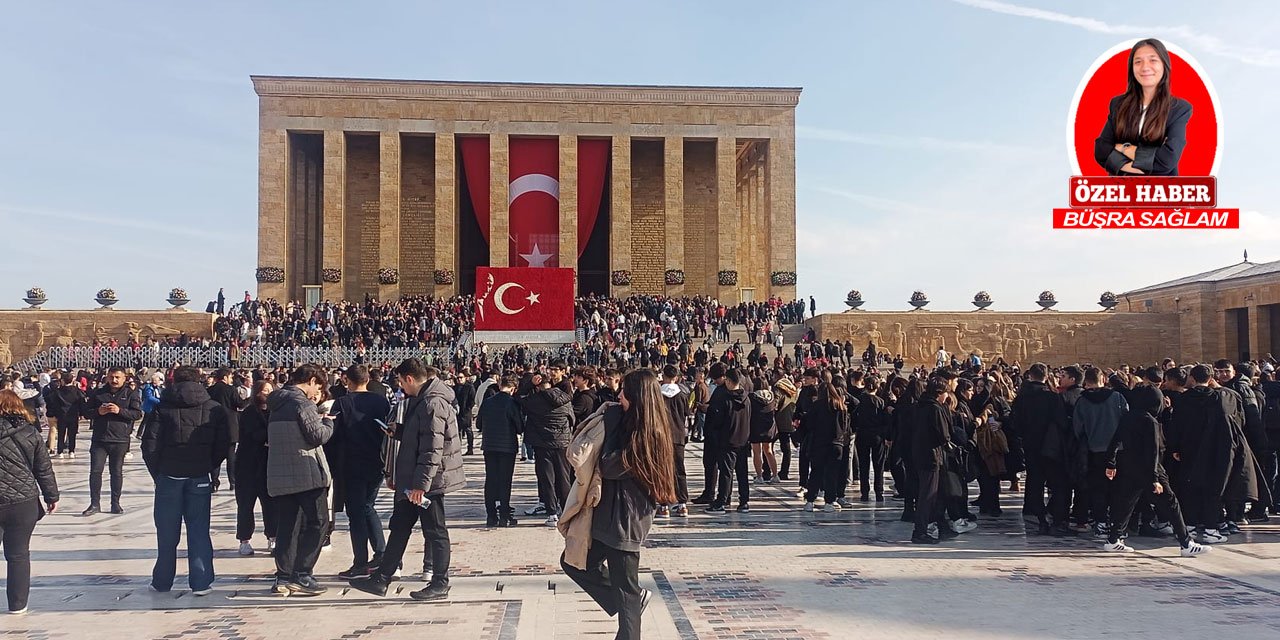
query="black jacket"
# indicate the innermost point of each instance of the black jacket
(1039, 420)
(677, 398)
(585, 403)
(361, 436)
(1138, 445)
(1157, 159)
(828, 426)
(625, 514)
(763, 427)
(227, 396)
(870, 417)
(548, 419)
(466, 397)
(251, 454)
(1254, 429)
(189, 437)
(728, 424)
(25, 470)
(930, 433)
(500, 421)
(66, 403)
(113, 427)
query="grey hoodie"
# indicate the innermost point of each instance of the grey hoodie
(1096, 416)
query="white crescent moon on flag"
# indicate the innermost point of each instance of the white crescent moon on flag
(497, 299)
(533, 182)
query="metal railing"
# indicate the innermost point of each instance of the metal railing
(208, 357)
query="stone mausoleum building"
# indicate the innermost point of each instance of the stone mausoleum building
(402, 187)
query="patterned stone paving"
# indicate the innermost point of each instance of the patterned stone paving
(775, 573)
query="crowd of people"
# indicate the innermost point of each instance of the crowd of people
(1165, 451)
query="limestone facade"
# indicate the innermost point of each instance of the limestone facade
(1056, 338)
(29, 331)
(701, 179)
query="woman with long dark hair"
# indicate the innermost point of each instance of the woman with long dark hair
(828, 424)
(26, 475)
(1146, 129)
(637, 473)
(251, 471)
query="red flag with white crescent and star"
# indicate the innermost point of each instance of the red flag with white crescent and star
(524, 299)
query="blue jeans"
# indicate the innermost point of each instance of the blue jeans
(366, 526)
(179, 501)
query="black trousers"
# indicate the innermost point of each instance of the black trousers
(710, 470)
(468, 431)
(682, 476)
(726, 463)
(1033, 486)
(403, 516)
(845, 467)
(612, 579)
(803, 456)
(231, 468)
(824, 474)
(247, 495)
(17, 522)
(741, 462)
(100, 453)
(929, 505)
(871, 454)
(1098, 488)
(67, 431)
(499, 469)
(552, 470)
(365, 525)
(1125, 497)
(304, 517)
(784, 467)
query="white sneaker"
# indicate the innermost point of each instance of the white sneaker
(552, 520)
(271, 545)
(128, 455)
(963, 526)
(1193, 549)
(201, 592)
(831, 507)
(72, 455)
(1211, 536)
(757, 480)
(1117, 546)
(808, 506)
(61, 456)
(246, 549)
(19, 612)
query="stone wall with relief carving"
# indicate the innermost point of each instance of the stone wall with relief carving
(27, 332)
(1105, 339)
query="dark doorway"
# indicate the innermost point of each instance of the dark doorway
(1237, 328)
(473, 251)
(593, 264)
(306, 211)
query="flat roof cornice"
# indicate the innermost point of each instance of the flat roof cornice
(303, 87)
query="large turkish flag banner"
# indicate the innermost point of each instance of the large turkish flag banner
(524, 299)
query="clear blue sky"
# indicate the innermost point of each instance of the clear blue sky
(930, 134)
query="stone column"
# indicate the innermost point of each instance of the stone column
(446, 206)
(673, 185)
(727, 216)
(780, 193)
(389, 208)
(620, 210)
(569, 200)
(335, 187)
(273, 210)
(1258, 322)
(763, 230)
(499, 191)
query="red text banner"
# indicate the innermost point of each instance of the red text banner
(1166, 192)
(524, 299)
(1098, 218)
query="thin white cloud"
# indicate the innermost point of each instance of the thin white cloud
(912, 142)
(116, 221)
(1184, 35)
(889, 205)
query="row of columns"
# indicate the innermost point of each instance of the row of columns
(273, 204)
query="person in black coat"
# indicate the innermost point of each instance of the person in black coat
(548, 429)
(251, 470)
(361, 415)
(224, 393)
(112, 409)
(1203, 419)
(1039, 418)
(930, 436)
(1134, 468)
(465, 393)
(67, 405)
(870, 427)
(728, 429)
(678, 400)
(829, 432)
(187, 440)
(500, 421)
(25, 476)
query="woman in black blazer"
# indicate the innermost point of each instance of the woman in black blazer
(1146, 128)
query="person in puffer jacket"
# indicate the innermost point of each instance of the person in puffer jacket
(1095, 418)
(548, 428)
(25, 475)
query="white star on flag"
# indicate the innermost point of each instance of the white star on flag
(532, 298)
(537, 258)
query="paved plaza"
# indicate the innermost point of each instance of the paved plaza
(777, 572)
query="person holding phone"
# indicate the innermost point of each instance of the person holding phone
(359, 423)
(112, 409)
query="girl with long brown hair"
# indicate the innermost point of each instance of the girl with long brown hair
(26, 476)
(1146, 129)
(637, 473)
(251, 471)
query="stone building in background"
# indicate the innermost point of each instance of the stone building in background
(391, 187)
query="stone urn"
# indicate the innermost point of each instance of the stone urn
(918, 300)
(35, 297)
(1108, 301)
(1047, 300)
(178, 298)
(106, 298)
(854, 300)
(982, 300)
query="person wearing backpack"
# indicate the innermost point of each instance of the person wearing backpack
(187, 441)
